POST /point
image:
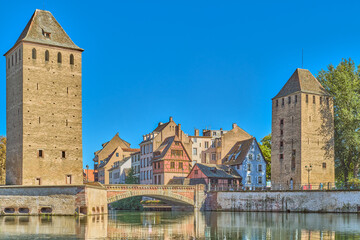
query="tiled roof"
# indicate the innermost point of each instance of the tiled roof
(217, 171)
(163, 148)
(302, 81)
(238, 152)
(131, 149)
(43, 21)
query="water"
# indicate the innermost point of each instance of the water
(184, 225)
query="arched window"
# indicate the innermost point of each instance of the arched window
(47, 55)
(71, 59)
(59, 57)
(33, 53)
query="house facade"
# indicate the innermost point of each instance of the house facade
(135, 165)
(171, 160)
(247, 159)
(215, 176)
(118, 171)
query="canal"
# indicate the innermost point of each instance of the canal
(184, 225)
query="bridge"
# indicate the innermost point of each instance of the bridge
(190, 195)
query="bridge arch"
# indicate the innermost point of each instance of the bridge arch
(180, 195)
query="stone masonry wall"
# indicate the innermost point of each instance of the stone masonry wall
(284, 201)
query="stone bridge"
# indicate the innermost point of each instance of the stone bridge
(172, 194)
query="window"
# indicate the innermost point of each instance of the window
(172, 165)
(16, 58)
(260, 180)
(324, 165)
(213, 156)
(19, 54)
(158, 164)
(117, 154)
(159, 179)
(259, 168)
(63, 154)
(71, 59)
(238, 166)
(33, 53)
(250, 156)
(194, 140)
(277, 103)
(41, 153)
(282, 102)
(59, 58)
(281, 132)
(68, 179)
(281, 144)
(47, 56)
(249, 167)
(155, 179)
(320, 100)
(258, 157)
(46, 34)
(214, 133)
(281, 122)
(195, 151)
(313, 99)
(289, 99)
(181, 165)
(178, 153)
(9, 62)
(307, 98)
(177, 143)
(206, 144)
(295, 98)
(37, 181)
(281, 156)
(248, 180)
(212, 143)
(12, 60)
(293, 165)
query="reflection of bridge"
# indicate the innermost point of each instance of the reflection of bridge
(172, 194)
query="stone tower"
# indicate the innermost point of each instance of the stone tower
(302, 134)
(43, 106)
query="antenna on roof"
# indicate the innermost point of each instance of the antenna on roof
(302, 58)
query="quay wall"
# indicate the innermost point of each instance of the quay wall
(284, 201)
(53, 200)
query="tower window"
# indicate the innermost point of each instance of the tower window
(281, 156)
(289, 99)
(16, 59)
(68, 179)
(12, 60)
(63, 154)
(282, 102)
(277, 103)
(71, 59)
(307, 98)
(59, 59)
(33, 53)
(324, 165)
(313, 99)
(41, 153)
(320, 100)
(19, 54)
(8, 62)
(295, 98)
(47, 56)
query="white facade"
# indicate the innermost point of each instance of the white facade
(117, 173)
(135, 164)
(146, 156)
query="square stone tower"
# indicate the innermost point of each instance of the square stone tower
(43, 106)
(302, 135)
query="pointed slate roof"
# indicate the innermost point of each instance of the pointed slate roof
(43, 21)
(217, 171)
(302, 81)
(239, 151)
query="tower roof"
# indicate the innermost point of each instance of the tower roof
(302, 81)
(43, 23)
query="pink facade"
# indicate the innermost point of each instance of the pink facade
(172, 161)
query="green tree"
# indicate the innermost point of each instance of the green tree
(132, 203)
(2, 159)
(343, 84)
(265, 146)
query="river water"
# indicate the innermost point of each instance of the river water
(184, 225)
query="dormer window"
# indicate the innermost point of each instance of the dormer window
(46, 34)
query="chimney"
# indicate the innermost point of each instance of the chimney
(234, 125)
(196, 133)
(170, 119)
(178, 131)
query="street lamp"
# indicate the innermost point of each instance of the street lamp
(87, 173)
(308, 169)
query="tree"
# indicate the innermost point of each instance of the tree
(343, 84)
(265, 146)
(2, 159)
(130, 178)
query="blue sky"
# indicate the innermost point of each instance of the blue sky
(206, 63)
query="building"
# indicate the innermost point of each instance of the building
(153, 141)
(119, 171)
(302, 134)
(247, 159)
(43, 106)
(215, 144)
(120, 155)
(170, 160)
(135, 164)
(215, 176)
(88, 175)
(108, 148)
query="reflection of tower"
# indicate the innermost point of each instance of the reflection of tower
(43, 106)
(302, 133)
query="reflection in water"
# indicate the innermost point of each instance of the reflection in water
(184, 225)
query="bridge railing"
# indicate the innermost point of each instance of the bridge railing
(148, 187)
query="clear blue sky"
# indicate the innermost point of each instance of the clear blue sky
(206, 63)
